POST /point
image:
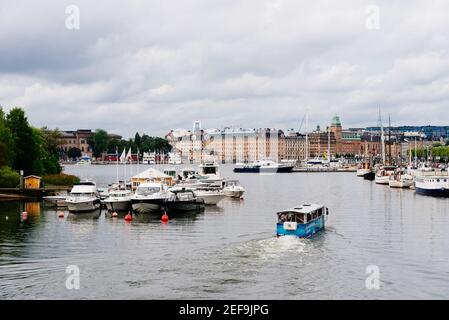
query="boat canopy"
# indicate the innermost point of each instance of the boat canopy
(302, 214)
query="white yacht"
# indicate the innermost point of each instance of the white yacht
(83, 198)
(150, 197)
(118, 200)
(233, 189)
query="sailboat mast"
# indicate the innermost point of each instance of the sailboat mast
(382, 137)
(307, 136)
(389, 139)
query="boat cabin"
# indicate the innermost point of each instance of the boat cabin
(184, 194)
(208, 168)
(302, 214)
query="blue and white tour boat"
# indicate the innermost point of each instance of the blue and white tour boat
(302, 221)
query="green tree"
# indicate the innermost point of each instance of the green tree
(137, 140)
(99, 142)
(73, 153)
(6, 142)
(26, 155)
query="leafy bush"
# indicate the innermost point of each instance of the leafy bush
(60, 179)
(8, 177)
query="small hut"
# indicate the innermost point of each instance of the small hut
(151, 175)
(32, 182)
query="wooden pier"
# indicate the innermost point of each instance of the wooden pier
(8, 194)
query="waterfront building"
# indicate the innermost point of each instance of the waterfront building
(246, 145)
(320, 141)
(230, 145)
(77, 139)
(295, 146)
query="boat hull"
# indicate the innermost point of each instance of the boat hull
(184, 206)
(147, 206)
(211, 199)
(83, 206)
(433, 192)
(234, 193)
(369, 176)
(303, 230)
(382, 180)
(363, 172)
(284, 169)
(118, 205)
(400, 184)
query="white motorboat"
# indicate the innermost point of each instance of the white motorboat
(118, 200)
(233, 189)
(150, 197)
(83, 198)
(56, 201)
(210, 197)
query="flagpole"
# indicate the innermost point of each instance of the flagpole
(116, 155)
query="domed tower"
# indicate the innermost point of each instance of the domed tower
(336, 129)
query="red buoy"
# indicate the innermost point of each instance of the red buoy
(164, 217)
(24, 215)
(114, 214)
(128, 217)
(61, 214)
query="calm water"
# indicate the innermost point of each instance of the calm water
(230, 251)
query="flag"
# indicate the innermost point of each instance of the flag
(129, 155)
(123, 156)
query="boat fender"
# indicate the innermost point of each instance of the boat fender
(165, 217)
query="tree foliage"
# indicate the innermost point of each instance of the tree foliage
(99, 142)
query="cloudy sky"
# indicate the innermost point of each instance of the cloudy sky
(152, 66)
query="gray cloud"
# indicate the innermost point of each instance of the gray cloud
(156, 65)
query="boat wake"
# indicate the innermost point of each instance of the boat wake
(273, 247)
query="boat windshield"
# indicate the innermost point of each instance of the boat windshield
(81, 194)
(147, 190)
(209, 170)
(299, 217)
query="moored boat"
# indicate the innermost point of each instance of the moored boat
(264, 166)
(400, 179)
(183, 200)
(118, 200)
(233, 189)
(150, 197)
(383, 174)
(83, 198)
(302, 221)
(432, 183)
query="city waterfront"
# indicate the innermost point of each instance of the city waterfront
(230, 250)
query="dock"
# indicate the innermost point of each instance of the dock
(10, 194)
(322, 170)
